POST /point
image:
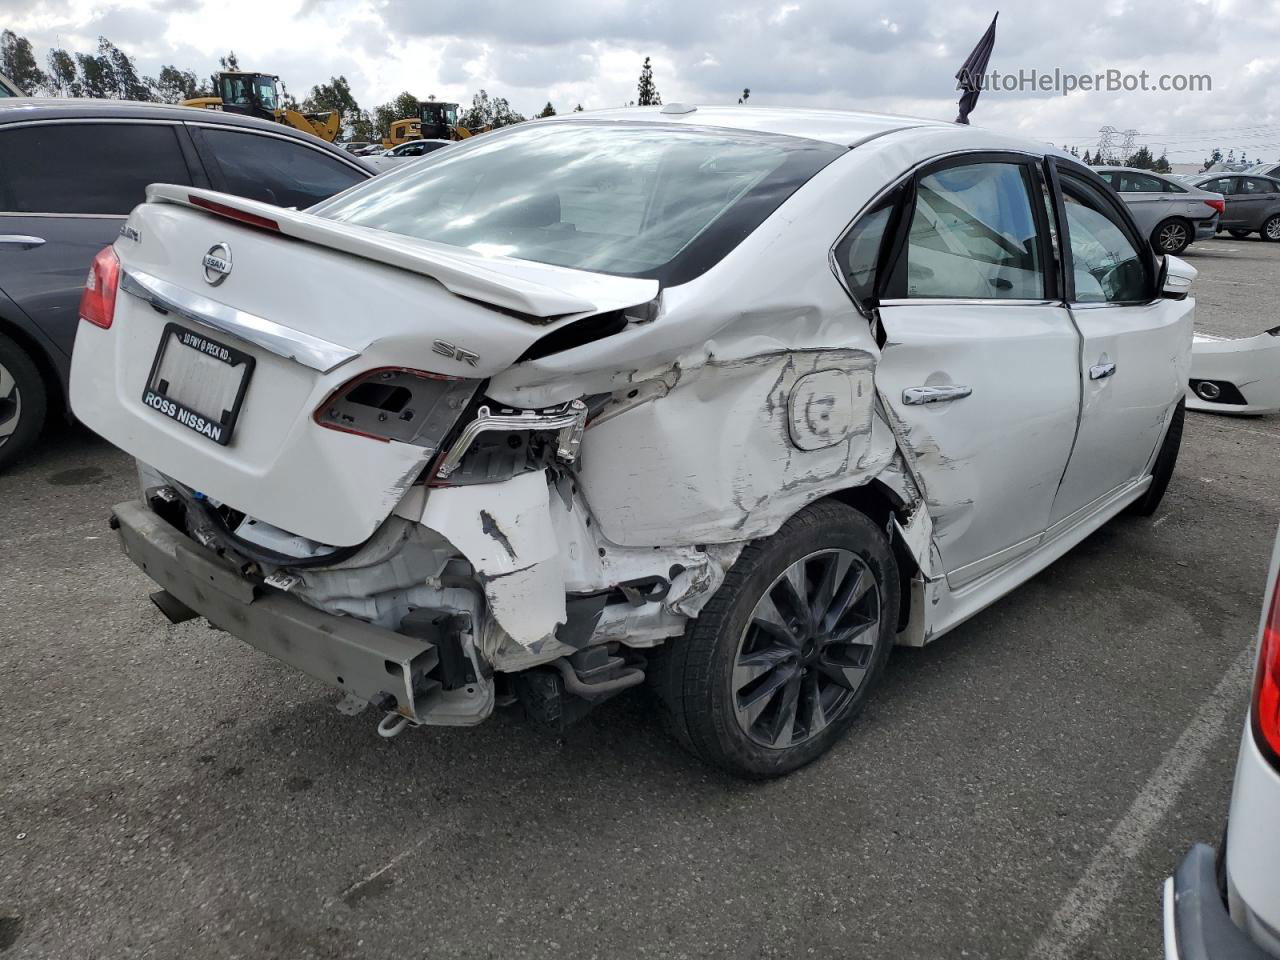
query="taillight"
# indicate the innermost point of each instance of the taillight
(1266, 686)
(98, 302)
(1219, 205)
(396, 403)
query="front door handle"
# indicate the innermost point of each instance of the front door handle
(1100, 371)
(914, 396)
(18, 240)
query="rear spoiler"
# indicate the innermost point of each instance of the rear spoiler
(537, 291)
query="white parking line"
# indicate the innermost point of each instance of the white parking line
(1078, 915)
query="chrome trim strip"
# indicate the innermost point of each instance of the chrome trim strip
(276, 338)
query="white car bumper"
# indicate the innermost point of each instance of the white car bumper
(1235, 376)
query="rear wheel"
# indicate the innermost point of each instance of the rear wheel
(782, 660)
(1239, 234)
(22, 401)
(1171, 236)
(1162, 469)
(1271, 228)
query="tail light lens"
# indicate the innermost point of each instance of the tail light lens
(98, 302)
(1219, 205)
(396, 403)
(1266, 686)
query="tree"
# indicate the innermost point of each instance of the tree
(578, 109)
(174, 85)
(110, 74)
(405, 105)
(1162, 164)
(229, 63)
(1215, 157)
(62, 78)
(1085, 159)
(1141, 159)
(18, 63)
(646, 93)
(336, 96)
(486, 111)
(746, 95)
(548, 110)
(361, 126)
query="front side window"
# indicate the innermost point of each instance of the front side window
(274, 169)
(89, 168)
(646, 200)
(1106, 266)
(973, 235)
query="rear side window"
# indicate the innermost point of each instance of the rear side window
(275, 170)
(1171, 187)
(859, 252)
(1222, 185)
(1256, 186)
(1106, 265)
(973, 235)
(88, 168)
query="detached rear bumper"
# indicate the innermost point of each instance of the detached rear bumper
(1196, 923)
(377, 665)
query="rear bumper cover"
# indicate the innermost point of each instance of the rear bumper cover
(1197, 925)
(1206, 229)
(369, 662)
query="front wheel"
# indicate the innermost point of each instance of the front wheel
(782, 660)
(1171, 236)
(1271, 228)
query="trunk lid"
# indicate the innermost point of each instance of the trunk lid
(305, 308)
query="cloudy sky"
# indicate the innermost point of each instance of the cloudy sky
(898, 56)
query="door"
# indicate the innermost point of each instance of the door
(1146, 197)
(1254, 201)
(979, 365)
(1231, 215)
(65, 189)
(274, 169)
(1135, 346)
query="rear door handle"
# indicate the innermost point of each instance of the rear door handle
(915, 396)
(1100, 371)
(18, 240)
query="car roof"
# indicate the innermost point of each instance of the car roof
(843, 127)
(15, 109)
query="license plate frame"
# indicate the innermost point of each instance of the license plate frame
(155, 393)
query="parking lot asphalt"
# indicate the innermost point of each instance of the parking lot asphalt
(1019, 788)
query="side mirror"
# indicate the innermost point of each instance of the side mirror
(1175, 278)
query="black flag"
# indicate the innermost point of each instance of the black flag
(969, 77)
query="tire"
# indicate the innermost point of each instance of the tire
(1171, 236)
(1271, 228)
(1239, 234)
(725, 687)
(23, 401)
(1162, 469)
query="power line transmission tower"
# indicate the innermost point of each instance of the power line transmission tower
(1126, 146)
(1106, 145)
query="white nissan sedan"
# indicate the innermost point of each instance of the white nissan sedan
(731, 400)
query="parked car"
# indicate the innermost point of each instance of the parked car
(1252, 204)
(8, 88)
(728, 399)
(1171, 213)
(355, 146)
(405, 152)
(1225, 905)
(1235, 375)
(1264, 170)
(71, 172)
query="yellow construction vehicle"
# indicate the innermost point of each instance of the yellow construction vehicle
(258, 95)
(436, 120)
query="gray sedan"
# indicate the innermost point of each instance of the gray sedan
(1171, 213)
(1253, 203)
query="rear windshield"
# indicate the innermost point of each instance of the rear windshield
(640, 200)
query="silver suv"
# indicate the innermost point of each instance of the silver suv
(1171, 213)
